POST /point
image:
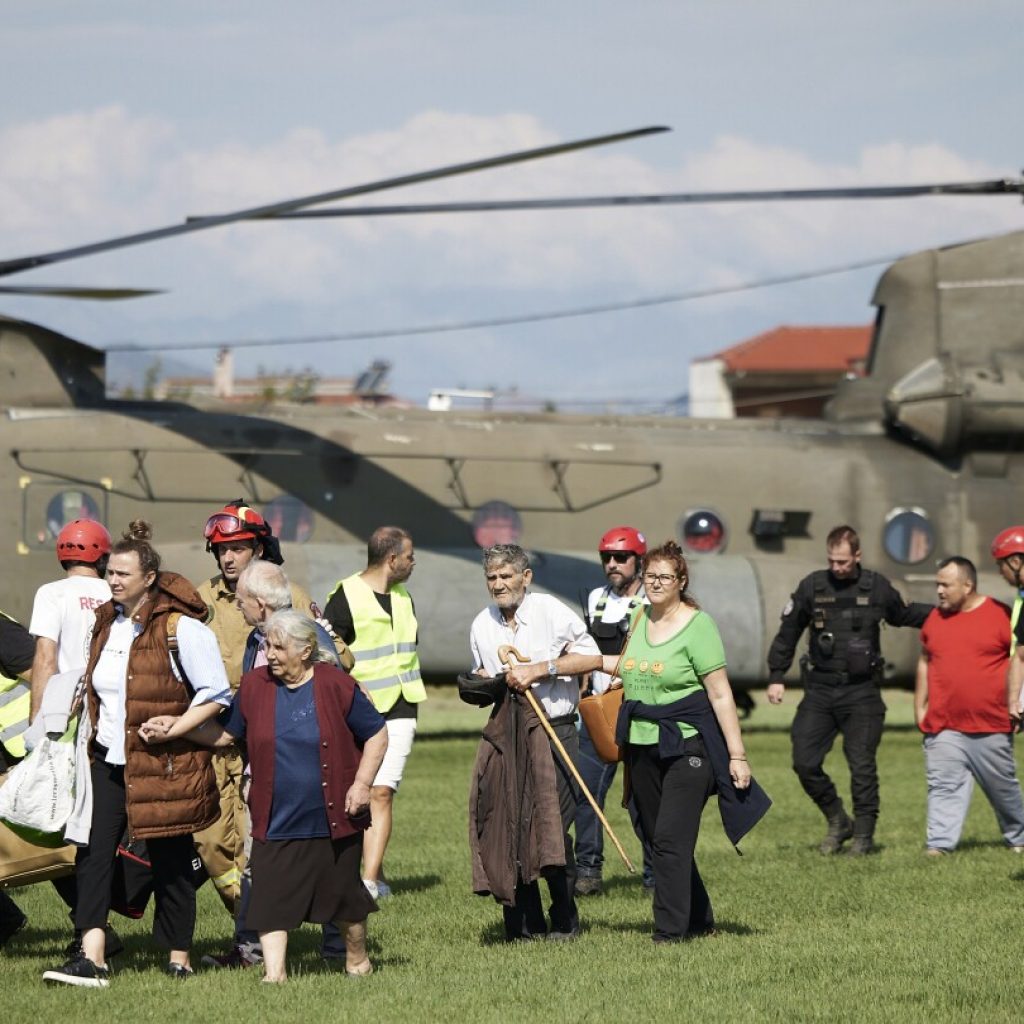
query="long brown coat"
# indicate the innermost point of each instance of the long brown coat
(170, 789)
(515, 826)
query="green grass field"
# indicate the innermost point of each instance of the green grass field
(891, 937)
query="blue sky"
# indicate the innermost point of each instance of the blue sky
(129, 116)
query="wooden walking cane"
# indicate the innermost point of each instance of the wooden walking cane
(505, 654)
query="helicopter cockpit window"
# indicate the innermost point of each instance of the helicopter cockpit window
(47, 510)
(497, 522)
(908, 537)
(290, 519)
(702, 531)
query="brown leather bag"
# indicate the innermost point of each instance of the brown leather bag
(600, 711)
(22, 863)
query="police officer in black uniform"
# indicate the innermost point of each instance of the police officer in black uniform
(841, 673)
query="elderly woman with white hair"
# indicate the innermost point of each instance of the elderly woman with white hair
(315, 743)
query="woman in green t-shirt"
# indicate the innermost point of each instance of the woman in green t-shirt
(673, 653)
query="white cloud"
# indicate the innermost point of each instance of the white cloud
(87, 175)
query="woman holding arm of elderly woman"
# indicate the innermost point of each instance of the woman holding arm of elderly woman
(162, 796)
(680, 734)
(315, 743)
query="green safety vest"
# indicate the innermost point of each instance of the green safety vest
(15, 697)
(384, 648)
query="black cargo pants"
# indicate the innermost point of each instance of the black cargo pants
(858, 712)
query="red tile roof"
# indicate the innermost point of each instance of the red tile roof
(800, 349)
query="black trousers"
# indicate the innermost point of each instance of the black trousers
(858, 712)
(525, 920)
(174, 920)
(670, 794)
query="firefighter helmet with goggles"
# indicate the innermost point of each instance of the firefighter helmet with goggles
(83, 540)
(232, 523)
(623, 538)
(1009, 542)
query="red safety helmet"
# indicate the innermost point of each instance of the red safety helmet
(234, 522)
(1009, 542)
(83, 540)
(624, 538)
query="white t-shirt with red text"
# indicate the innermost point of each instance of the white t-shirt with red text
(65, 612)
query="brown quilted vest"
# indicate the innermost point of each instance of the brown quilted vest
(170, 788)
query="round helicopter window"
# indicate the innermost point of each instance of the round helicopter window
(909, 536)
(66, 507)
(497, 522)
(702, 531)
(289, 518)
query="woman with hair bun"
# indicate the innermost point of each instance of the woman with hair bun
(162, 794)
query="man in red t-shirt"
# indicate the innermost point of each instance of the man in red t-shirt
(960, 703)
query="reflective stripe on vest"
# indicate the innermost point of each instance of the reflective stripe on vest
(1014, 616)
(384, 648)
(15, 700)
(15, 697)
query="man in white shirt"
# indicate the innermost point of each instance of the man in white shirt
(63, 616)
(541, 628)
(64, 612)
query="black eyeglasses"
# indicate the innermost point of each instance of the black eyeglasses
(616, 556)
(659, 580)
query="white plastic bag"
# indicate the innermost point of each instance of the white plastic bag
(38, 795)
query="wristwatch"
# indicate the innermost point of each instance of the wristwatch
(552, 669)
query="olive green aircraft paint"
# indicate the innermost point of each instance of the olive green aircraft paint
(923, 456)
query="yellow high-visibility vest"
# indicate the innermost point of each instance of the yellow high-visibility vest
(385, 648)
(15, 698)
(1014, 616)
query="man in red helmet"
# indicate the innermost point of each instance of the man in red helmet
(63, 612)
(609, 611)
(235, 536)
(1008, 551)
(63, 616)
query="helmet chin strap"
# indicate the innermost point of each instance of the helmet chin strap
(1017, 570)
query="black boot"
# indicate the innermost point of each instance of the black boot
(863, 843)
(840, 828)
(863, 836)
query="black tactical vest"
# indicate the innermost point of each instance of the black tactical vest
(844, 627)
(609, 635)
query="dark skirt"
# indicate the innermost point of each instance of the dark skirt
(296, 880)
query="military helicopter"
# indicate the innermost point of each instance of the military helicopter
(923, 455)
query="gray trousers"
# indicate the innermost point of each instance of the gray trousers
(953, 760)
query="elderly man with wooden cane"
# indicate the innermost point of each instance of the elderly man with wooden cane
(525, 763)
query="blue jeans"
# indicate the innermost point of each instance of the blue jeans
(598, 776)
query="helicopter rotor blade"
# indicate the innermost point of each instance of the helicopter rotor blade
(15, 266)
(74, 292)
(1000, 186)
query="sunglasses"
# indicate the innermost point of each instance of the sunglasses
(616, 556)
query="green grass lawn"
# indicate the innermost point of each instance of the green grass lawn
(891, 937)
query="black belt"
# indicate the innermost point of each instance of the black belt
(569, 719)
(819, 677)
